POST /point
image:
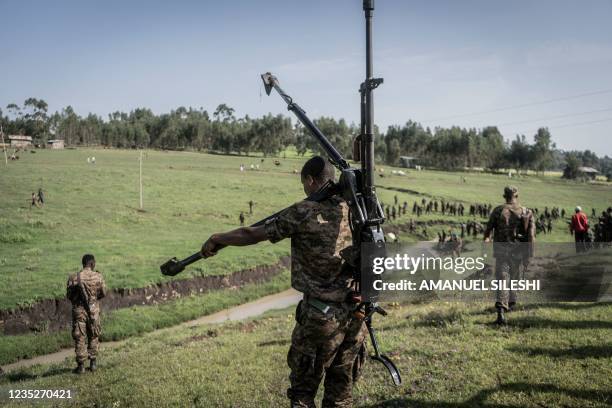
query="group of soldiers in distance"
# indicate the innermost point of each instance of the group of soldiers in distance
(601, 231)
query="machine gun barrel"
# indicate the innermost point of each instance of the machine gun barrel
(271, 82)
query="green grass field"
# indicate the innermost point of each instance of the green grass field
(556, 355)
(187, 196)
(94, 208)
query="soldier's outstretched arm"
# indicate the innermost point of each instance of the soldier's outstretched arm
(239, 237)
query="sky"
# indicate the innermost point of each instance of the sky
(473, 63)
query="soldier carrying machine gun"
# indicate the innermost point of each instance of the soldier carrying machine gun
(334, 234)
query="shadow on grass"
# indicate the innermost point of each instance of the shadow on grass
(274, 343)
(480, 399)
(15, 376)
(604, 351)
(533, 322)
(562, 305)
(25, 375)
(537, 306)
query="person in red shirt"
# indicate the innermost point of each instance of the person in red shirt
(580, 228)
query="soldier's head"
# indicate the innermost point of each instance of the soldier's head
(88, 261)
(577, 209)
(510, 193)
(316, 172)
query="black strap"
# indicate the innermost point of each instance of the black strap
(83, 293)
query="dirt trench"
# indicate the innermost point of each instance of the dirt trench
(54, 314)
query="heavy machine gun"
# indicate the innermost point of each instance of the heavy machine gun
(356, 186)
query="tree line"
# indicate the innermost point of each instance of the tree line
(195, 129)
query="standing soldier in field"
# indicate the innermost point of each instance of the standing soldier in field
(41, 196)
(513, 236)
(84, 289)
(327, 339)
(251, 207)
(241, 219)
(34, 201)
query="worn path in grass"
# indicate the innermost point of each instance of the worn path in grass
(276, 301)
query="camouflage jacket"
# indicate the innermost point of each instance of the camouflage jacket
(94, 287)
(512, 223)
(318, 232)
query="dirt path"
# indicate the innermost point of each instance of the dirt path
(54, 314)
(276, 301)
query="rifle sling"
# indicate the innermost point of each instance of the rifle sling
(83, 293)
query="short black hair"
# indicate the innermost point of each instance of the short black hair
(87, 259)
(319, 169)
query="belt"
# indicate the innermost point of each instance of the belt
(317, 304)
(322, 306)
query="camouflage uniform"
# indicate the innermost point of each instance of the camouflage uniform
(327, 339)
(514, 229)
(85, 320)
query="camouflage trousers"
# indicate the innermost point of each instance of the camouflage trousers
(325, 344)
(85, 332)
(506, 269)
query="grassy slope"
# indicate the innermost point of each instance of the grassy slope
(93, 209)
(187, 197)
(449, 355)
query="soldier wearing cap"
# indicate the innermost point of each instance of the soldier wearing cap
(327, 341)
(513, 231)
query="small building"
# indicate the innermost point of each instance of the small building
(408, 161)
(587, 172)
(20, 141)
(55, 144)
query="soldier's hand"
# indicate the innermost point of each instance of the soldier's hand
(209, 248)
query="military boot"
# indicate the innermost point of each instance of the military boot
(501, 316)
(80, 369)
(92, 365)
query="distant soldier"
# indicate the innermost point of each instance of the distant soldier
(411, 226)
(593, 213)
(563, 213)
(549, 226)
(84, 289)
(456, 244)
(395, 199)
(608, 225)
(251, 207)
(580, 228)
(34, 200)
(393, 213)
(424, 232)
(328, 340)
(511, 225)
(41, 196)
(241, 219)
